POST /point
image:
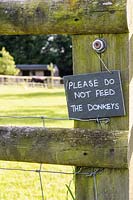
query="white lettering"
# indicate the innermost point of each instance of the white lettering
(77, 108)
(70, 84)
(85, 84)
(82, 84)
(90, 107)
(109, 81)
(106, 92)
(82, 95)
(117, 106)
(90, 83)
(108, 106)
(96, 83)
(79, 84)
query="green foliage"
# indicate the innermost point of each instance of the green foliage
(40, 49)
(51, 68)
(7, 64)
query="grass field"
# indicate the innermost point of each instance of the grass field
(23, 101)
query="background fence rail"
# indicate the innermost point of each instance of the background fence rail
(32, 81)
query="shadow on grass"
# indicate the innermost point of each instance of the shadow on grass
(49, 111)
(33, 94)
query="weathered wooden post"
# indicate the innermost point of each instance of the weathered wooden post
(113, 183)
(86, 21)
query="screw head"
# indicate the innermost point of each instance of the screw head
(99, 45)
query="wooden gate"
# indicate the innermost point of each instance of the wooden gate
(109, 146)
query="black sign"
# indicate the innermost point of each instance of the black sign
(95, 95)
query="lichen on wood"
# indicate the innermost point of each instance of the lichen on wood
(78, 147)
(69, 17)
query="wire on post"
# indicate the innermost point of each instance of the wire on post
(104, 64)
(94, 174)
(40, 178)
(98, 52)
(43, 120)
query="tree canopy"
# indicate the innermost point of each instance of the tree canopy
(40, 49)
(7, 64)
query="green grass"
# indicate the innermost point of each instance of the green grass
(23, 101)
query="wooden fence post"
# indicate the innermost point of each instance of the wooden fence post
(111, 184)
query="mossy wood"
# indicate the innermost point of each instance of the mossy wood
(79, 147)
(64, 17)
(111, 184)
(116, 57)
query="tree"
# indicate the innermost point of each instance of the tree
(7, 64)
(59, 49)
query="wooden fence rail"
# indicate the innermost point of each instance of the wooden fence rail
(31, 81)
(78, 147)
(69, 17)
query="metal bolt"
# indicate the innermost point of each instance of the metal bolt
(99, 45)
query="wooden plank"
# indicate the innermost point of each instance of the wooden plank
(79, 147)
(69, 17)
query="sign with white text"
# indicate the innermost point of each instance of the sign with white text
(94, 95)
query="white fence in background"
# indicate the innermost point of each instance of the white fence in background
(32, 81)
